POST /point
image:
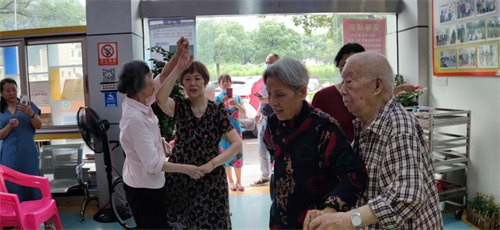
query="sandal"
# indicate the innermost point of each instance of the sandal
(48, 225)
(240, 187)
(232, 187)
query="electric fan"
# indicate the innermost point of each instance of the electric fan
(93, 130)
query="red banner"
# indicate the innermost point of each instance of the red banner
(370, 33)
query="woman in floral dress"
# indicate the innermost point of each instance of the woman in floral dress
(234, 108)
(200, 125)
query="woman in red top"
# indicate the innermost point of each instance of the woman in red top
(329, 99)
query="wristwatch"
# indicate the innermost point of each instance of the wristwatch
(356, 219)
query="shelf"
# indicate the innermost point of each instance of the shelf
(453, 160)
(446, 195)
(449, 168)
(450, 151)
(437, 117)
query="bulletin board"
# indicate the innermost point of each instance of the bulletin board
(465, 37)
(166, 32)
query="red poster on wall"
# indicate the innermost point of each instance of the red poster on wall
(370, 33)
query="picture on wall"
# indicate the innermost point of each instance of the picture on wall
(493, 27)
(457, 34)
(486, 6)
(476, 31)
(467, 58)
(465, 38)
(487, 56)
(449, 59)
(447, 12)
(465, 9)
(442, 37)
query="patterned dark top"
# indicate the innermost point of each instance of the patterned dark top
(314, 168)
(202, 203)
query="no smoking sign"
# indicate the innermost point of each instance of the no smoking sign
(108, 53)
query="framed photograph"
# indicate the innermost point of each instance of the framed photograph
(465, 9)
(486, 7)
(465, 38)
(458, 34)
(447, 12)
(442, 37)
(487, 56)
(448, 59)
(467, 58)
(476, 31)
(493, 28)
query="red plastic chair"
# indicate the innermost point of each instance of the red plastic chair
(28, 214)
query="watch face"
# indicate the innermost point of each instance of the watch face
(356, 220)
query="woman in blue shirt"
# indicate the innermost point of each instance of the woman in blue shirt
(18, 124)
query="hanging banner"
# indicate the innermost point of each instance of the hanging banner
(370, 33)
(465, 37)
(166, 32)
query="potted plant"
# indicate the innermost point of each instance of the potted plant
(167, 126)
(483, 212)
(408, 99)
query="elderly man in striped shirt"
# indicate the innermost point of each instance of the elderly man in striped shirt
(401, 191)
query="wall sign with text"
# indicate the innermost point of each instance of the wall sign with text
(370, 33)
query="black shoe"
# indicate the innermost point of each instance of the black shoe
(261, 182)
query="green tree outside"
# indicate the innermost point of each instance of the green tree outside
(32, 14)
(275, 37)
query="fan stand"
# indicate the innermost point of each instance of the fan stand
(104, 214)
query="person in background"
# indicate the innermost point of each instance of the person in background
(330, 101)
(18, 151)
(315, 167)
(200, 125)
(263, 113)
(145, 162)
(401, 192)
(234, 109)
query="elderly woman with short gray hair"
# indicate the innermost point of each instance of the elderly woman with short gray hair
(315, 167)
(145, 162)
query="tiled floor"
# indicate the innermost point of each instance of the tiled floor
(250, 210)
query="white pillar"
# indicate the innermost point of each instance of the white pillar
(413, 37)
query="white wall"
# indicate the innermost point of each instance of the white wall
(481, 95)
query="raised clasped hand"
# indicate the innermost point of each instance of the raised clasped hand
(182, 45)
(185, 60)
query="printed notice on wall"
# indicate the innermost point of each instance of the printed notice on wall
(370, 33)
(166, 32)
(40, 92)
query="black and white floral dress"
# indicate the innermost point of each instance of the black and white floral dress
(202, 203)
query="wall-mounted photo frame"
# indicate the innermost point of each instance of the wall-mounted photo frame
(465, 37)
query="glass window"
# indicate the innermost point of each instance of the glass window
(9, 64)
(56, 81)
(32, 14)
(238, 45)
